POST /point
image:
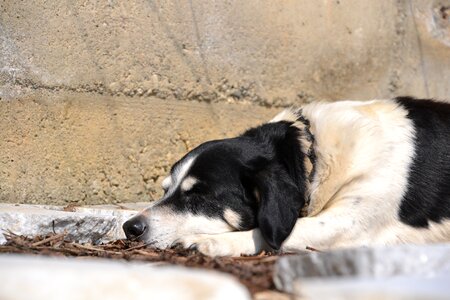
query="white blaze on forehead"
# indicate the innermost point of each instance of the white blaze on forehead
(188, 183)
(171, 183)
(182, 170)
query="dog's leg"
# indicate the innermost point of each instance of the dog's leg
(324, 231)
(226, 244)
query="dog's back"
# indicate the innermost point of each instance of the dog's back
(428, 194)
(396, 155)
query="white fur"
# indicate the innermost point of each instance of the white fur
(188, 183)
(166, 183)
(171, 183)
(289, 115)
(226, 244)
(166, 226)
(232, 218)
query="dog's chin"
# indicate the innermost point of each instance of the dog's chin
(159, 243)
(155, 241)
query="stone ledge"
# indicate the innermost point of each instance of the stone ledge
(388, 288)
(399, 272)
(93, 224)
(26, 277)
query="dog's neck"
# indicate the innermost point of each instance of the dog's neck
(307, 142)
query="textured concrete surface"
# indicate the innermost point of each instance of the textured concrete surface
(43, 278)
(259, 51)
(99, 98)
(95, 224)
(79, 149)
(408, 261)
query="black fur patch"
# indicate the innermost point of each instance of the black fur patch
(428, 195)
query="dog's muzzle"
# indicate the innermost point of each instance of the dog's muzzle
(135, 227)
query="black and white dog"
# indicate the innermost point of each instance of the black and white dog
(327, 175)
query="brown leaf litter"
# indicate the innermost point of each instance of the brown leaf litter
(255, 272)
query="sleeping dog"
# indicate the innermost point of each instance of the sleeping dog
(327, 175)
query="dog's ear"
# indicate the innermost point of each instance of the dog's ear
(280, 204)
(276, 162)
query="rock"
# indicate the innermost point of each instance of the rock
(44, 278)
(388, 288)
(82, 224)
(362, 270)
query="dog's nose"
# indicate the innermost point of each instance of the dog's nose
(134, 227)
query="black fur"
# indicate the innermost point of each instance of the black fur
(428, 195)
(280, 178)
(267, 158)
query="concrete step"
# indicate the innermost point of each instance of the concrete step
(88, 224)
(44, 278)
(395, 272)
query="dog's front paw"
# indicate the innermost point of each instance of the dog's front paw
(217, 245)
(208, 245)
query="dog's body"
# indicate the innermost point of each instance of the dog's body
(364, 173)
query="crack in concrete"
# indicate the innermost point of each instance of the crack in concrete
(223, 92)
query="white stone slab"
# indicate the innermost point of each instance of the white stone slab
(388, 288)
(43, 278)
(84, 225)
(358, 273)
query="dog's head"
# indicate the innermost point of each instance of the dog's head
(254, 180)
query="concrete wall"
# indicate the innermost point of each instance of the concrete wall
(98, 98)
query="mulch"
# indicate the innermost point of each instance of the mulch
(255, 272)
